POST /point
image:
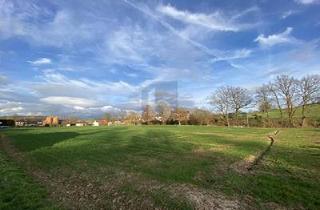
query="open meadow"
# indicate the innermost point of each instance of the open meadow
(164, 167)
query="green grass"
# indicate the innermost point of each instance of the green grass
(17, 190)
(312, 111)
(194, 155)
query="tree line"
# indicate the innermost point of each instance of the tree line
(230, 104)
(284, 93)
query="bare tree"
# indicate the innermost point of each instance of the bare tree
(200, 117)
(263, 99)
(164, 111)
(180, 115)
(132, 118)
(220, 101)
(148, 114)
(288, 88)
(275, 96)
(309, 90)
(239, 98)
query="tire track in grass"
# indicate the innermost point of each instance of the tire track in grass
(257, 160)
(248, 164)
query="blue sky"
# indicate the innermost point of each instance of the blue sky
(90, 57)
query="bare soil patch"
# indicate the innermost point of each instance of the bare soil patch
(204, 199)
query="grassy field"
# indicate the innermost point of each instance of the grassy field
(166, 167)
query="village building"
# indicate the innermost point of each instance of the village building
(95, 123)
(103, 122)
(51, 121)
(6, 123)
(81, 123)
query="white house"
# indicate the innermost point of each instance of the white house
(95, 123)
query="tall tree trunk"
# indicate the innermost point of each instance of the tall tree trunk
(302, 110)
(279, 107)
(278, 104)
(237, 123)
(290, 112)
(248, 121)
(303, 120)
(227, 117)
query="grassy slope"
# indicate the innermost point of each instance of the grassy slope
(188, 154)
(313, 111)
(17, 190)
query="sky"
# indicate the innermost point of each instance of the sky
(85, 58)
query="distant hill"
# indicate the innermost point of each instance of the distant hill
(312, 111)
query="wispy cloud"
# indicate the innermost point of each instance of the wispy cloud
(275, 39)
(232, 55)
(3, 80)
(307, 1)
(289, 13)
(214, 21)
(68, 101)
(144, 9)
(8, 107)
(41, 61)
(61, 28)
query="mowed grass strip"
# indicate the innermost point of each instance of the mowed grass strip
(171, 155)
(19, 191)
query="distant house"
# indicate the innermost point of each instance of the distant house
(117, 122)
(51, 121)
(20, 123)
(95, 123)
(81, 123)
(6, 123)
(103, 122)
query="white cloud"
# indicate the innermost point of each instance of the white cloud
(288, 13)
(3, 80)
(56, 84)
(61, 28)
(275, 39)
(214, 21)
(68, 101)
(109, 109)
(307, 1)
(129, 44)
(41, 61)
(9, 108)
(232, 55)
(150, 13)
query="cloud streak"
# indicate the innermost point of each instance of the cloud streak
(306, 2)
(276, 39)
(68, 101)
(214, 21)
(144, 9)
(41, 61)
